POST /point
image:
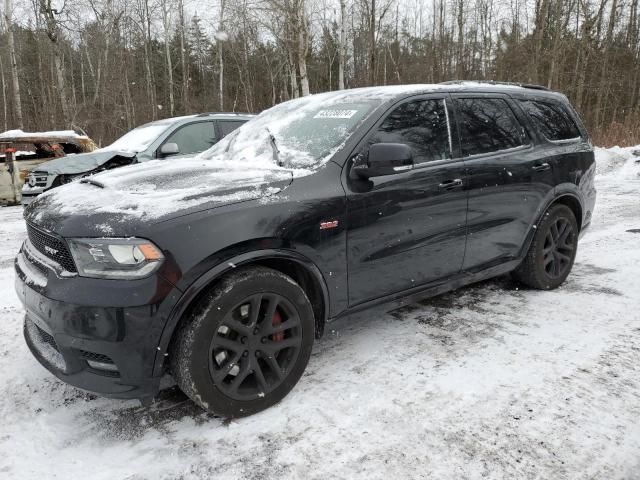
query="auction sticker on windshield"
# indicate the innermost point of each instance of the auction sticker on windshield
(335, 114)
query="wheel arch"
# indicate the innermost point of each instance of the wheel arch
(293, 264)
(573, 203)
(566, 198)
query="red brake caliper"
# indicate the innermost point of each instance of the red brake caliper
(275, 321)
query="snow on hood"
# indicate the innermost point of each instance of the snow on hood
(81, 162)
(156, 189)
(141, 137)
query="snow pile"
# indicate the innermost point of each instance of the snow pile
(21, 134)
(156, 188)
(618, 160)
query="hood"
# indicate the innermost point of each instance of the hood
(81, 162)
(154, 191)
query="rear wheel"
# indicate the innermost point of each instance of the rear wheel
(245, 344)
(552, 252)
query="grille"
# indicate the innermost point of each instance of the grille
(52, 247)
(39, 178)
(96, 357)
(46, 338)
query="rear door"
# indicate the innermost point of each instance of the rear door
(407, 229)
(508, 179)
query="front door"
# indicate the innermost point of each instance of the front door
(407, 229)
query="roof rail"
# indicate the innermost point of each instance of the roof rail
(494, 82)
(206, 114)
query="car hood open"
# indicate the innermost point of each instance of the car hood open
(154, 191)
(82, 162)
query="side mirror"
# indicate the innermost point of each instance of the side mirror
(386, 159)
(168, 149)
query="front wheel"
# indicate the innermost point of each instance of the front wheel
(245, 344)
(552, 251)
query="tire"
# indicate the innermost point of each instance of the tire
(223, 355)
(552, 252)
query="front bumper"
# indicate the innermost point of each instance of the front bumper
(71, 338)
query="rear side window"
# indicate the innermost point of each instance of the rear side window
(487, 125)
(227, 127)
(551, 119)
(422, 125)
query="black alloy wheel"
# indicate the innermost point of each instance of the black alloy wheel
(255, 346)
(559, 246)
(553, 250)
(245, 344)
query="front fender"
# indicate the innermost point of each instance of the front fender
(225, 266)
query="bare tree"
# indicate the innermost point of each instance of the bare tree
(342, 49)
(17, 102)
(183, 60)
(221, 36)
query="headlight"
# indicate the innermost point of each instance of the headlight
(127, 258)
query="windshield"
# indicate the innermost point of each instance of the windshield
(139, 138)
(302, 133)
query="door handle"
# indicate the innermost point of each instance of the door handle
(541, 167)
(451, 184)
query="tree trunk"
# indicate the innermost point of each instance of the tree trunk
(303, 48)
(59, 64)
(601, 96)
(151, 86)
(220, 41)
(166, 25)
(460, 24)
(343, 43)
(4, 96)
(183, 62)
(17, 102)
(372, 43)
(53, 33)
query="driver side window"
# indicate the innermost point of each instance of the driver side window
(193, 138)
(420, 124)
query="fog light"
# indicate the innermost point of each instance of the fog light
(102, 366)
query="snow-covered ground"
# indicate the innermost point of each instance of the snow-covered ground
(492, 381)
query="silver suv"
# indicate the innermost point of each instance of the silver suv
(156, 140)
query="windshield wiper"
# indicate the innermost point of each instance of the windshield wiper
(93, 182)
(274, 147)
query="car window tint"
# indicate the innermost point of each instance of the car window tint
(487, 125)
(227, 127)
(421, 124)
(193, 138)
(551, 119)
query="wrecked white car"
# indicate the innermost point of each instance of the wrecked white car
(156, 140)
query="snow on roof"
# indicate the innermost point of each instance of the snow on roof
(20, 134)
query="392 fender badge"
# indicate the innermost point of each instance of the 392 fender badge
(328, 225)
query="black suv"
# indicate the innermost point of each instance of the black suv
(222, 271)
